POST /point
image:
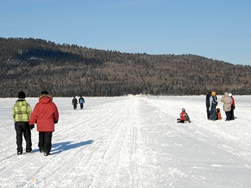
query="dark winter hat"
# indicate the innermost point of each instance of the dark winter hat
(44, 92)
(21, 94)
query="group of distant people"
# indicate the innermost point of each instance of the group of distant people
(81, 101)
(213, 113)
(44, 115)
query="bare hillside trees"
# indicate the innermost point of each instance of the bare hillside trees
(67, 70)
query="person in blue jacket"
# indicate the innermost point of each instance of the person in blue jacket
(81, 101)
(213, 105)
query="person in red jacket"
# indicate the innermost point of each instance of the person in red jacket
(184, 117)
(45, 115)
(232, 107)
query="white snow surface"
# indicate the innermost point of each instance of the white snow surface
(132, 142)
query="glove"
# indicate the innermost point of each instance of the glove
(31, 127)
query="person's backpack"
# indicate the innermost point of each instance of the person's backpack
(81, 100)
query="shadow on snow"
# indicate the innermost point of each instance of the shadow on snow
(64, 146)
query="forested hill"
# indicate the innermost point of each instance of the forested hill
(66, 70)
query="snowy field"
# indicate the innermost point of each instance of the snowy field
(132, 142)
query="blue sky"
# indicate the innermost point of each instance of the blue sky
(216, 29)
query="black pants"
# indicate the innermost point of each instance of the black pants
(228, 116)
(44, 143)
(208, 112)
(81, 105)
(232, 114)
(23, 129)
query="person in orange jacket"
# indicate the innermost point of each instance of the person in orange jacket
(218, 117)
(45, 115)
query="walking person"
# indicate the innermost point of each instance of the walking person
(213, 105)
(21, 114)
(74, 103)
(227, 101)
(208, 104)
(81, 102)
(232, 107)
(45, 115)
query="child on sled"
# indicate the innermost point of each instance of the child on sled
(184, 117)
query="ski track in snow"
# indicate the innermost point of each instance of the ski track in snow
(132, 141)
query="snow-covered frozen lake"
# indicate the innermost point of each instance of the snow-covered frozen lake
(132, 142)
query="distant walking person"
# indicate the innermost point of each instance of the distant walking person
(21, 114)
(227, 101)
(213, 104)
(45, 115)
(232, 107)
(74, 103)
(81, 102)
(208, 104)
